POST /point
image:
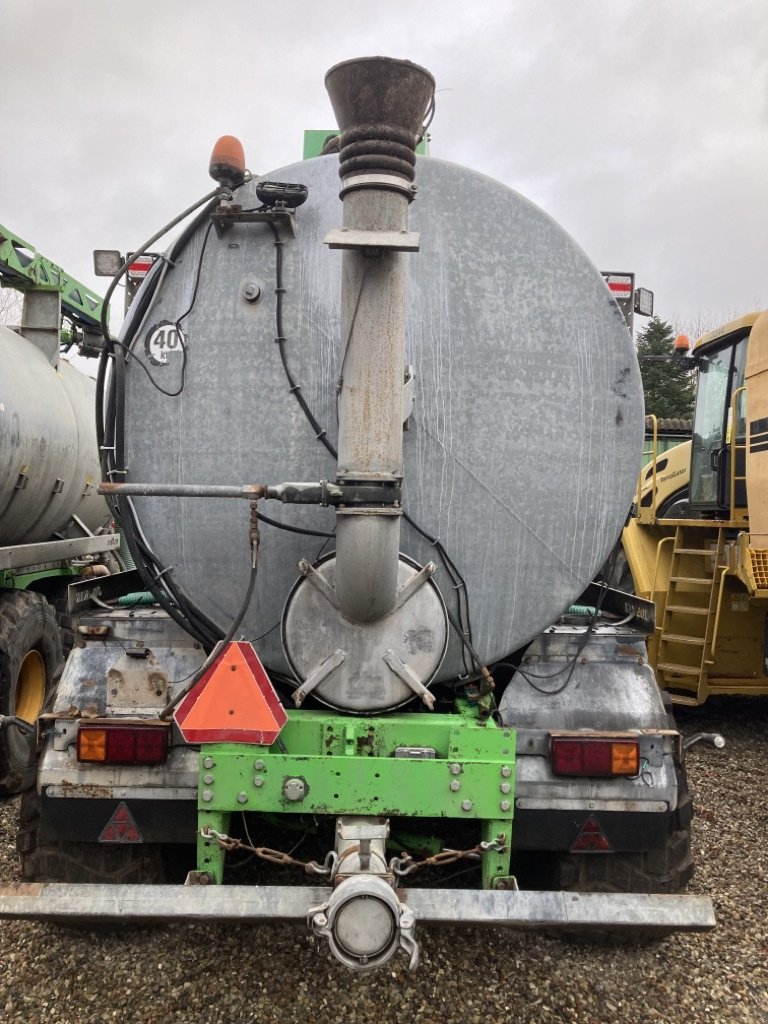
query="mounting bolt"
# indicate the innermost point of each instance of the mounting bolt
(251, 292)
(455, 785)
(258, 765)
(506, 771)
(208, 778)
(208, 762)
(455, 769)
(207, 796)
(505, 787)
(258, 781)
(466, 805)
(505, 805)
(242, 798)
(295, 789)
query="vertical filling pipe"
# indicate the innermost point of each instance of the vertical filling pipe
(379, 105)
(371, 405)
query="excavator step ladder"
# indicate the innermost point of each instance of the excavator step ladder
(687, 632)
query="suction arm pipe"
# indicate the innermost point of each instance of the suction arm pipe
(380, 105)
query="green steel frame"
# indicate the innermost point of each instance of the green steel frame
(22, 267)
(10, 579)
(348, 766)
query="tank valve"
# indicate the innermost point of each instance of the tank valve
(363, 920)
(365, 923)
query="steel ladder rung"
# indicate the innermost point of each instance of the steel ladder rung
(674, 669)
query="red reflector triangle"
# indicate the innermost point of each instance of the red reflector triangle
(121, 827)
(234, 702)
(591, 838)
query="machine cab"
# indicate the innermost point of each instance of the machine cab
(718, 450)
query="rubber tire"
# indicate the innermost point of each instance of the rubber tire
(667, 870)
(27, 623)
(105, 863)
(94, 863)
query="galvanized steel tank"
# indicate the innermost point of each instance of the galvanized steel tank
(521, 447)
(49, 470)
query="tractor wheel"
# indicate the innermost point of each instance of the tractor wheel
(30, 659)
(105, 863)
(666, 871)
(94, 863)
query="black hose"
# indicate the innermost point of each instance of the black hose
(110, 431)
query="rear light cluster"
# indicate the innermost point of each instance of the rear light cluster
(122, 744)
(594, 756)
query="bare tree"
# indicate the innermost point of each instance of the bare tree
(694, 326)
(10, 306)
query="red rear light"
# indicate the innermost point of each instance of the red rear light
(122, 744)
(594, 756)
(140, 267)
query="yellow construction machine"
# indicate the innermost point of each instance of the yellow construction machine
(697, 540)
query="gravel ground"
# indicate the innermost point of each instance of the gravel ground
(225, 975)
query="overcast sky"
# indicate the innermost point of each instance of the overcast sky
(640, 125)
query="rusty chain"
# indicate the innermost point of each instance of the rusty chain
(406, 865)
(399, 866)
(310, 867)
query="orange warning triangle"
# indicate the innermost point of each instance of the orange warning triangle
(233, 702)
(121, 827)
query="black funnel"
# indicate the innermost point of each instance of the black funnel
(380, 104)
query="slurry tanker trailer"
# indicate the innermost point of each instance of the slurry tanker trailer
(53, 523)
(368, 456)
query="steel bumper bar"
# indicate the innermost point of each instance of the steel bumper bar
(557, 910)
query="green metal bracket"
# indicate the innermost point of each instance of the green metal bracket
(328, 764)
(24, 268)
(315, 139)
(12, 580)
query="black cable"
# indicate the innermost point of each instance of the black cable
(467, 643)
(227, 638)
(177, 323)
(293, 387)
(109, 424)
(294, 529)
(345, 349)
(569, 666)
(459, 585)
(155, 575)
(212, 198)
(429, 115)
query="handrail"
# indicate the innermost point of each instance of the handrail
(716, 627)
(659, 546)
(733, 446)
(654, 457)
(647, 513)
